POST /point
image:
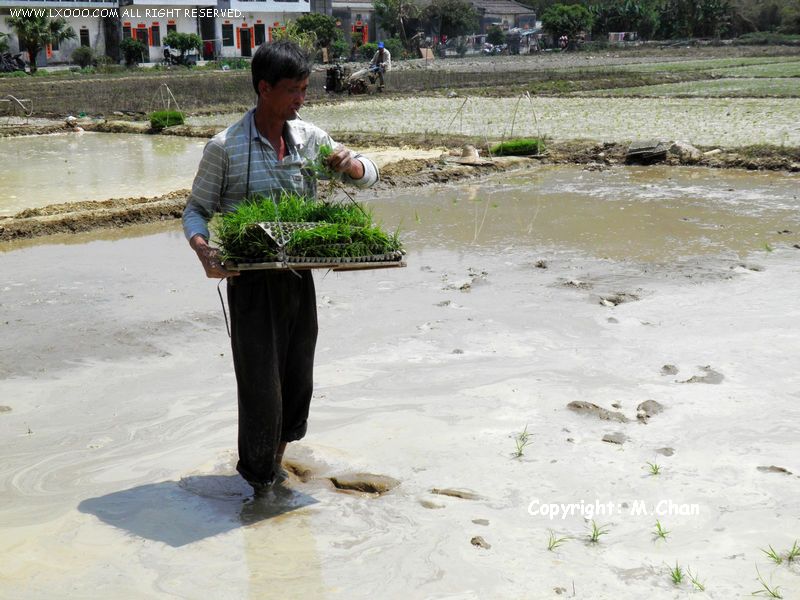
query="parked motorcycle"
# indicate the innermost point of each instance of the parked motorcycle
(11, 62)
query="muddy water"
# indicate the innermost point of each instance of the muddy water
(73, 167)
(633, 213)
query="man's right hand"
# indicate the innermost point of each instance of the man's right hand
(209, 258)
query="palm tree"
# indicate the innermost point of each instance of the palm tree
(36, 32)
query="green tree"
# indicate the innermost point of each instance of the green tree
(452, 17)
(567, 19)
(495, 35)
(183, 42)
(133, 50)
(641, 16)
(397, 17)
(695, 18)
(36, 32)
(322, 26)
(307, 40)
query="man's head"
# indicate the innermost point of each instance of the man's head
(280, 78)
(279, 60)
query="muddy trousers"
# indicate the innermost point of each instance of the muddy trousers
(273, 336)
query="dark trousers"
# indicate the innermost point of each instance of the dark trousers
(273, 336)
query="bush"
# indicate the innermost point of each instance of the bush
(133, 50)
(518, 147)
(339, 48)
(367, 51)
(395, 48)
(83, 56)
(165, 118)
(14, 74)
(495, 36)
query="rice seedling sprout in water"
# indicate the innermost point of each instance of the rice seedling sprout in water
(771, 553)
(660, 532)
(521, 440)
(596, 532)
(694, 578)
(766, 589)
(553, 542)
(676, 574)
(655, 468)
(793, 553)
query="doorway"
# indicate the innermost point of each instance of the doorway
(244, 34)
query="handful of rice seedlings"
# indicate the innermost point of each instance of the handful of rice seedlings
(300, 227)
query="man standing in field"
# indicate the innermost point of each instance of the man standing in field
(273, 313)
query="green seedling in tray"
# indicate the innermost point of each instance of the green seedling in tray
(340, 229)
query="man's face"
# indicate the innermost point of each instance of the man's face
(284, 98)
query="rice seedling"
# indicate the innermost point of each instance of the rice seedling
(772, 592)
(771, 553)
(693, 577)
(596, 532)
(793, 553)
(521, 440)
(518, 147)
(553, 542)
(676, 574)
(660, 532)
(655, 468)
(339, 230)
(165, 118)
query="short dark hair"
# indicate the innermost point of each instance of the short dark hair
(279, 60)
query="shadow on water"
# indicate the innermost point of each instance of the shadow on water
(178, 513)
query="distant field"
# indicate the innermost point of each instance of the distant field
(713, 88)
(774, 64)
(789, 68)
(701, 121)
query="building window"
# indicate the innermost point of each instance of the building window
(126, 32)
(171, 27)
(227, 34)
(260, 33)
(141, 35)
(84, 38)
(156, 32)
(55, 45)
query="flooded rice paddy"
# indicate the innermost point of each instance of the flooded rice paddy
(627, 213)
(701, 121)
(69, 167)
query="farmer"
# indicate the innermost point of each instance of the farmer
(273, 313)
(381, 62)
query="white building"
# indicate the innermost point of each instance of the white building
(228, 28)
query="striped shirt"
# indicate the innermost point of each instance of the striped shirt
(240, 161)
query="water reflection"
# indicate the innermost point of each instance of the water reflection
(644, 213)
(70, 167)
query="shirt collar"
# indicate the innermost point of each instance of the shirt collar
(289, 134)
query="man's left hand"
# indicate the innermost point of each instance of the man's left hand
(342, 161)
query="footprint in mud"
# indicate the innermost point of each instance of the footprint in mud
(647, 409)
(367, 483)
(618, 298)
(774, 469)
(711, 376)
(455, 493)
(5, 409)
(575, 284)
(588, 408)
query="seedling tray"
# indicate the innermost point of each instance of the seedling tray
(296, 263)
